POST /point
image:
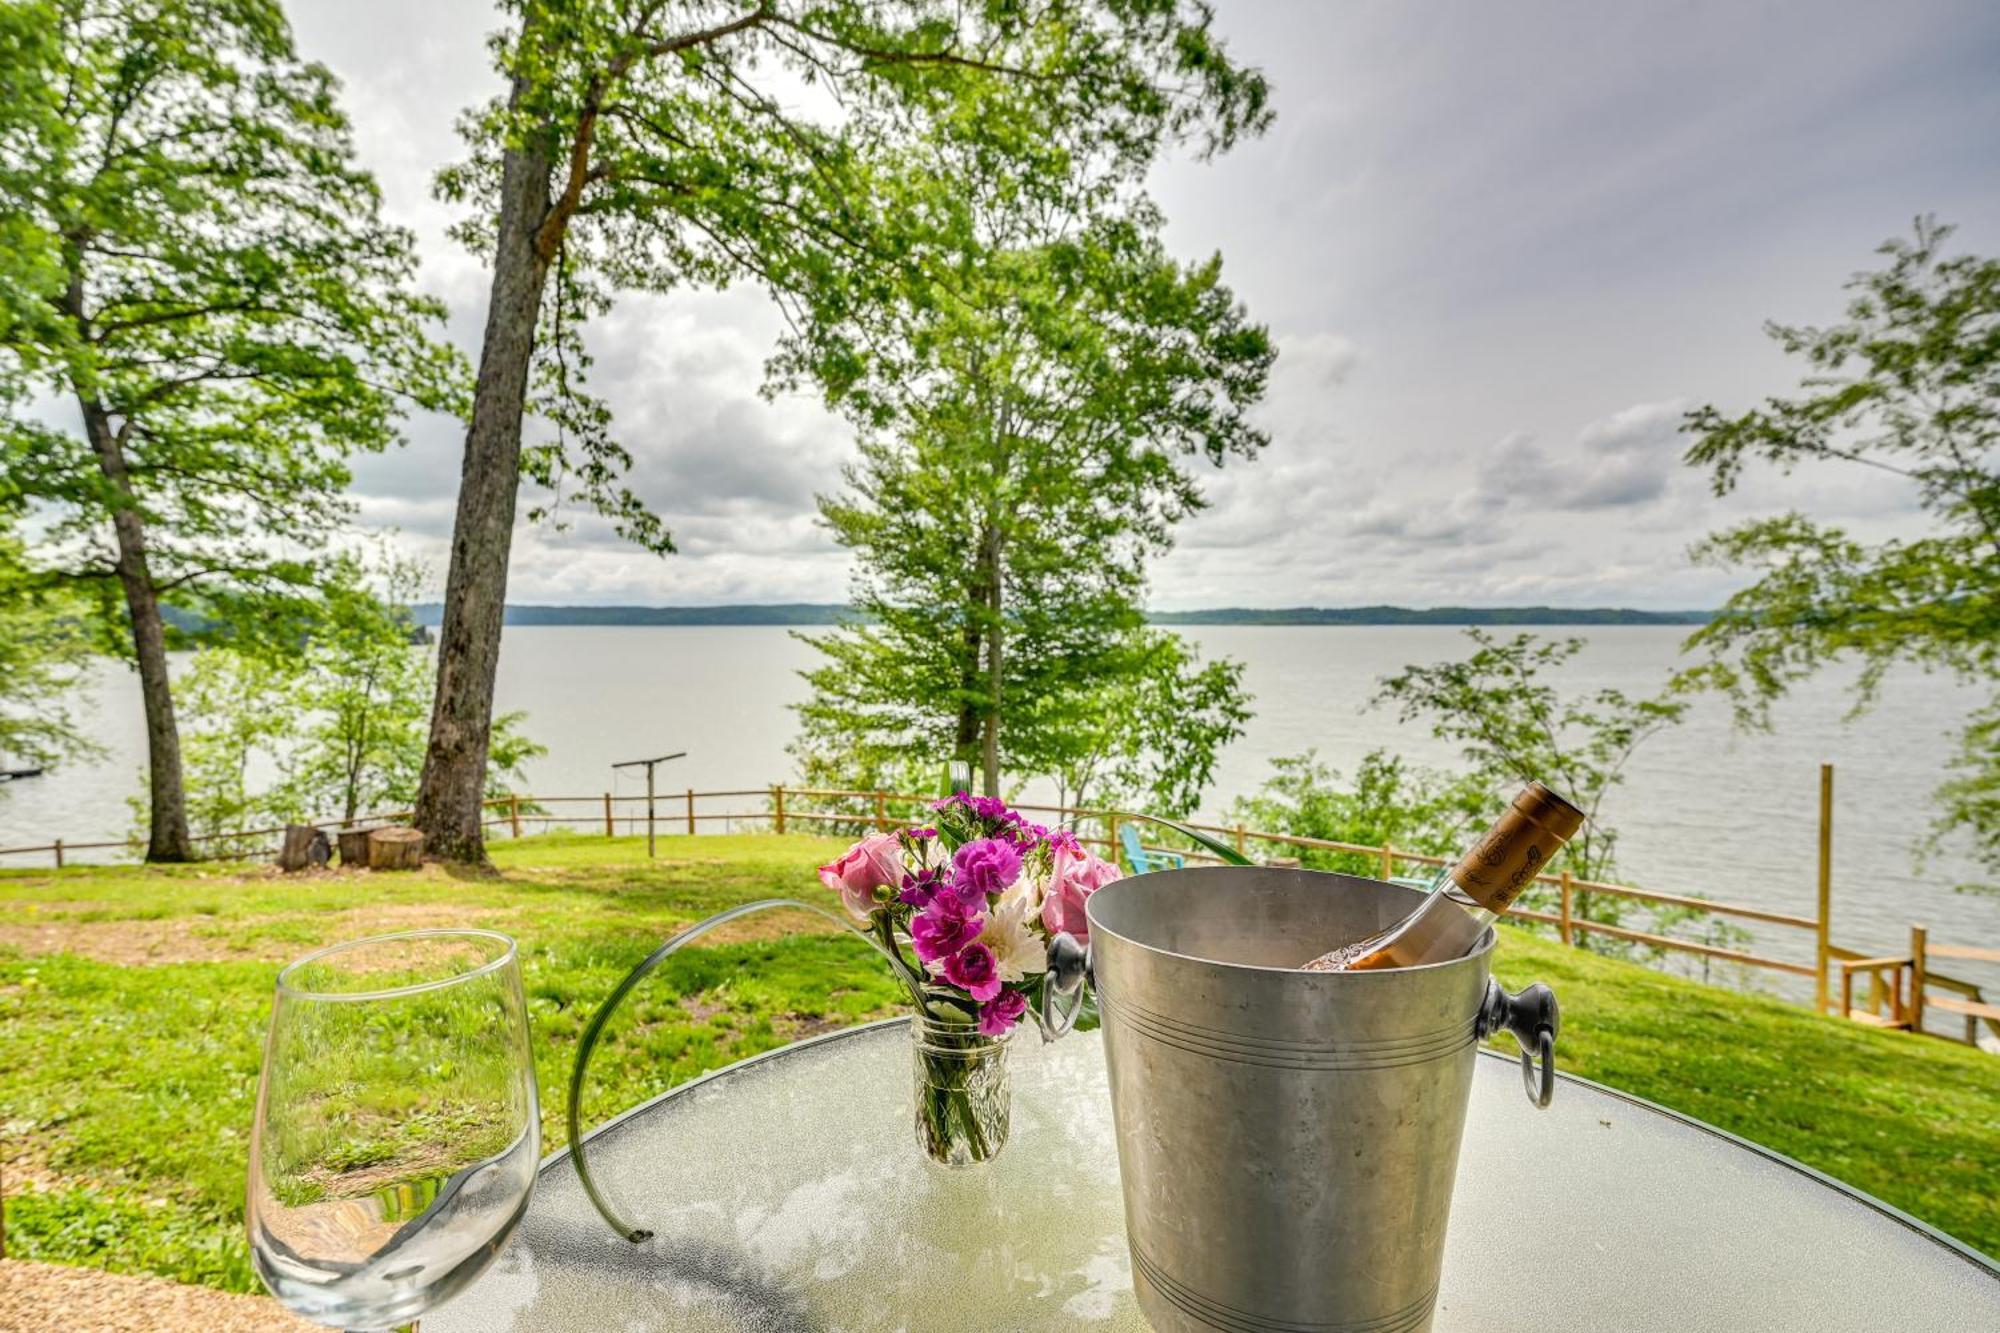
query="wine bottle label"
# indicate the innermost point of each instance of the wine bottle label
(1505, 862)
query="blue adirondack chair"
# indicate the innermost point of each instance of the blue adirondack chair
(1142, 860)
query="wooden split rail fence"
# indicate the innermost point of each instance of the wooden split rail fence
(1901, 988)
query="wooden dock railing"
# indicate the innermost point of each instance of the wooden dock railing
(1900, 988)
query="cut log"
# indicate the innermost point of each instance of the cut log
(354, 847)
(295, 853)
(394, 848)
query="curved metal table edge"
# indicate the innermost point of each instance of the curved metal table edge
(1890, 1211)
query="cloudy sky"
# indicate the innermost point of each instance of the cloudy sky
(1501, 246)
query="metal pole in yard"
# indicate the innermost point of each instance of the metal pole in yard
(649, 765)
(1825, 944)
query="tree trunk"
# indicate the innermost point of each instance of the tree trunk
(167, 827)
(449, 799)
(965, 740)
(989, 555)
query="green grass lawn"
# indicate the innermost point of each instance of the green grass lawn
(133, 1003)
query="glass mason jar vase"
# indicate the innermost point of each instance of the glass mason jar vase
(963, 1095)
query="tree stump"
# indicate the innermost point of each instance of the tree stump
(394, 848)
(354, 847)
(295, 853)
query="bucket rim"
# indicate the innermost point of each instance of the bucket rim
(1488, 941)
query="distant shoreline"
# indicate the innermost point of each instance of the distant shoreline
(807, 614)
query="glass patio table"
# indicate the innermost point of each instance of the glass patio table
(787, 1193)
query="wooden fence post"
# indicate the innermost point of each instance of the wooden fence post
(778, 802)
(514, 813)
(881, 810)
(1388, 860)
(59, 864)
(1564, 928)
(1919, 943)
(1111, 836)
(607, 814)
(1824, 942)
(690, 812)
(1239, 840)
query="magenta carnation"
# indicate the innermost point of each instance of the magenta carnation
(985, 868)
(989, 808)
(921, 887)
(943, 928)
(998, 1015)
(975, 971)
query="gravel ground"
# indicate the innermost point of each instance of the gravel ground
(54, 1298)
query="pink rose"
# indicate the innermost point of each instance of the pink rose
(876, 862)
(1074, 875)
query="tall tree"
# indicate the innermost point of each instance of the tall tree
(363, 695)
(211, 289)
(363, 691)
(644, 144)
(1027, 431)
(327, 725)
(1390, 801)
(1149, 733)
(238, 707)
(1514, 726)
(1907, 386)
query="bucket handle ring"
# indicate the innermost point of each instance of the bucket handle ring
(1535, 1019)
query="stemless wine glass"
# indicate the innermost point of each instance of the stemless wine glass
(397, 1125)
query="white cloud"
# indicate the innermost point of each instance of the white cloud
(1625, 459)
(1502, 254)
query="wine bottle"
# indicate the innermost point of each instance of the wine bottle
(1488, 878)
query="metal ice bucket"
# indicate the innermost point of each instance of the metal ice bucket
(1287, 1140)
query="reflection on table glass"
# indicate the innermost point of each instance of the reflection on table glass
(787, 1194)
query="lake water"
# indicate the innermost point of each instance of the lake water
(1704, 810)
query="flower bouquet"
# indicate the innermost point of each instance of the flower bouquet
(978, 898)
